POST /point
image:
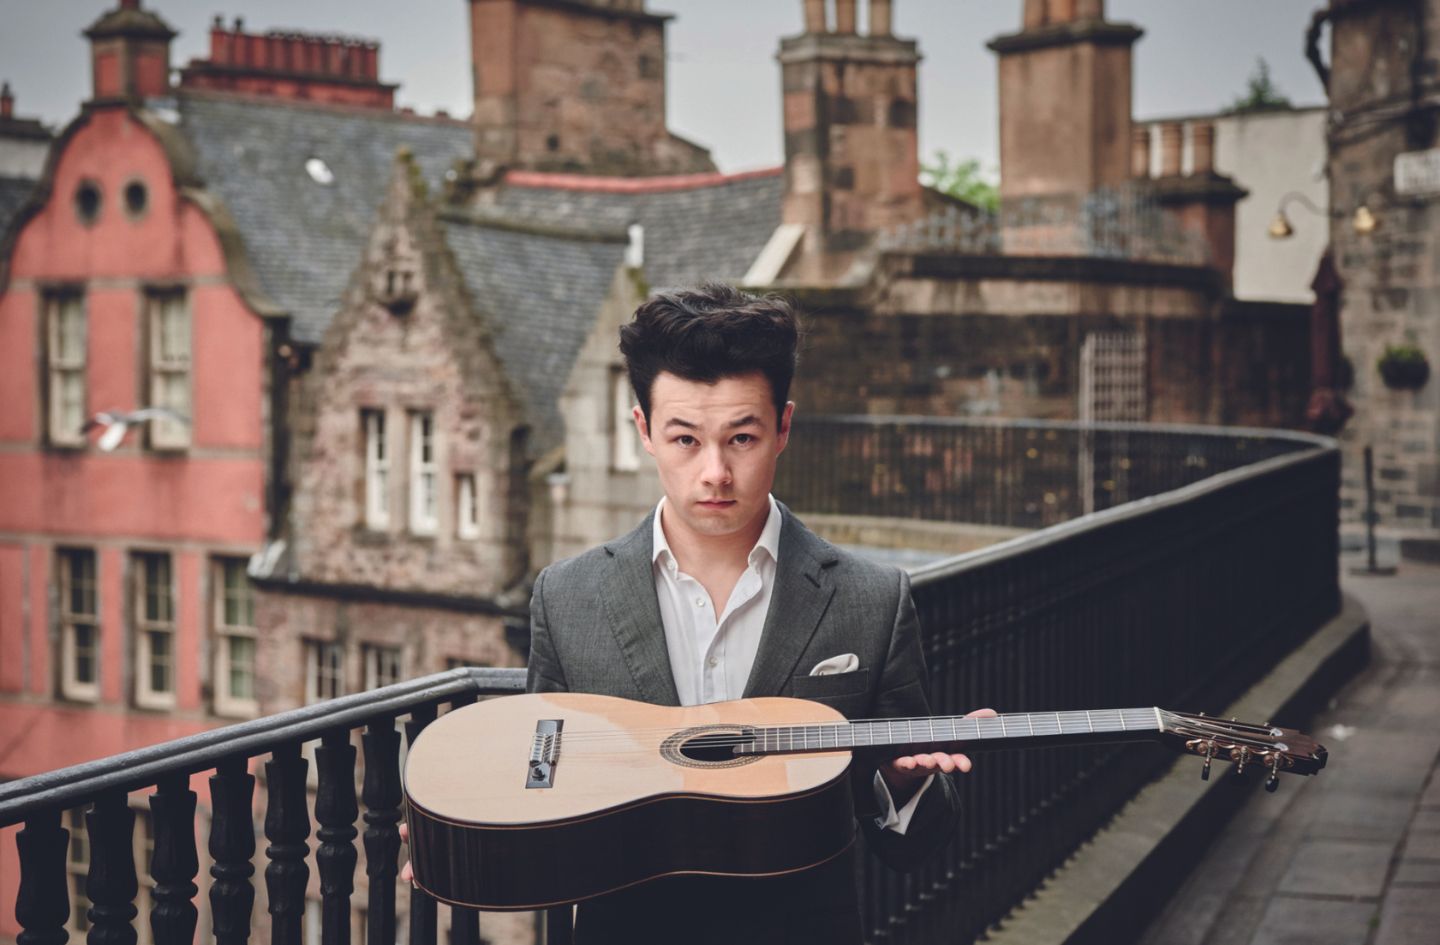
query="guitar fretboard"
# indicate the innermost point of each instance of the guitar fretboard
(786, 739)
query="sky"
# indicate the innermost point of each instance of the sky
(724, 83)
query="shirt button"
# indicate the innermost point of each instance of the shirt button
(712, 662)
(699, 602)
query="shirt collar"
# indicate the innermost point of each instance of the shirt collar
(768, 542)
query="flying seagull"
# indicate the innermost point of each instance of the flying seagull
(118, 424)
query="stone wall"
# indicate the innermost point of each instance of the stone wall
(1391, 275)
(996, 336)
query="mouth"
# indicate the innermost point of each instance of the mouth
(715, 503)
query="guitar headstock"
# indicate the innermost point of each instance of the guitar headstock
(1245, 745)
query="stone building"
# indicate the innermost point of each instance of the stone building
(1384, 171)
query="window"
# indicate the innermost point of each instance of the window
(625, 451)
(77, 867)
(422, 473)
(65, 345)
(79, 624)
(169, 367)
(382, 665)
(154, 631)
(467, 512)
(234, 616)
(377, 470)
(324, 671)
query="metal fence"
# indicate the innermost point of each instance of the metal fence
(1177, 599)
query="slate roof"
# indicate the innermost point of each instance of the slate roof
(711, 231)
(305, 239)
(14, 191)
(540, 294)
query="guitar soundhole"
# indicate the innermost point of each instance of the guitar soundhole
(708, 746)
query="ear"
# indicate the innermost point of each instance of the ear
(782, 434)
(642, 428)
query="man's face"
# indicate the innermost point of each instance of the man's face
(715, 446)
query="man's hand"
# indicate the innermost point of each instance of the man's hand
(407, 873)
(903, 776)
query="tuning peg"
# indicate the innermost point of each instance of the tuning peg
(1209, 753)
(1273, 782)
(1240, 758)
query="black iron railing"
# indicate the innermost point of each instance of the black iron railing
(1227, 559)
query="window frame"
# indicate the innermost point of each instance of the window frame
(314, 648)
(61, 364)
(375, 487)
(68, 621)
(371, 657)
(424, 473)
(223, 633)
(467, 506)
(146, 696)
(164, 435)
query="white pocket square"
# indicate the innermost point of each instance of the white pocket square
(835, 665)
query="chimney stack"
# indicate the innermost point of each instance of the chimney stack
(7, 102)
(1065, 98)
(129, 55)
(851, 153)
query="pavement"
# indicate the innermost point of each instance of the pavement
(1351, 856)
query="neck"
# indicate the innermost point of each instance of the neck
(944, 733)
(694, 551)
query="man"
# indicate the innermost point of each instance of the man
(721, 594)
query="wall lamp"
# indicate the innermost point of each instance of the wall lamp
(1364, 220)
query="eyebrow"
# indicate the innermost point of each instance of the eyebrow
(733, 424)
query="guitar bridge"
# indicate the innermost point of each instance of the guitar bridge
(544, 753)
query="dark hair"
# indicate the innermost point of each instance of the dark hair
(711, 332)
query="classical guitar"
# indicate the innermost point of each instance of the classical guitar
(537, 800)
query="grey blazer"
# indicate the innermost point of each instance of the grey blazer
(596, 628)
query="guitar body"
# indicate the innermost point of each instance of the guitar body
(536, 800)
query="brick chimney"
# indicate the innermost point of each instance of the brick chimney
(852, 162)
(1202, 200)
(7, 102)
(574, 85)
(129, 54)
(1065, 92)
(338, 70)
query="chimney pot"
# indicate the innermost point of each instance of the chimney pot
(1140, 151)
(7, 101)
(129, 4)
(880, 16)
(814, 16)
(1172, 142)
(1090, 10)
(1035, 14)
(1062, 11)
(844, 16)
(1202, 147)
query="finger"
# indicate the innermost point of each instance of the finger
(407, 874)
(945, 762)
(404, 832)
(962, 763)
(903, 765)
(925, 761)
(982, 714)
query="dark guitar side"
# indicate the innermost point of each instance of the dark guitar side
(508, 868)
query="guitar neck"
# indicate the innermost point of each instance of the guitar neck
(1021, 729)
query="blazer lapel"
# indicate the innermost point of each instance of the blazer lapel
(628, 599)
(801, 595)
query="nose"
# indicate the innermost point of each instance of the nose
(715, 471)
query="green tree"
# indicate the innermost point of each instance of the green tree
(962, 179)
(1260, 93)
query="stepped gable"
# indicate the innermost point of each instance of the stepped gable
(698, 227)
(302, 236)
(539, 289)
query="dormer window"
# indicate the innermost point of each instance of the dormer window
(398, 293)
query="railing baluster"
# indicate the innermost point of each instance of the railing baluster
(42, 904)
(175, 862)
(232, 845)
(422, 907)
(382, 836)
(335, 813)
(111, 885)
(287, 826)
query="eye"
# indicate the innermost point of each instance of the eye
(686, 439)
(743, 439)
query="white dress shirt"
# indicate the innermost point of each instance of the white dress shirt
(711, 654)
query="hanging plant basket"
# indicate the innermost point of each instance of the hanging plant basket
(1404, 367)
